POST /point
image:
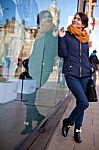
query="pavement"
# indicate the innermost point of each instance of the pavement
(89, 134)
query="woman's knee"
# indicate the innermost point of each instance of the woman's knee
(85, 105)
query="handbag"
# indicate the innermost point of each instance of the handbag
(91, 91)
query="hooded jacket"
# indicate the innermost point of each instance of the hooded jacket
(94, 60)
(75, 56)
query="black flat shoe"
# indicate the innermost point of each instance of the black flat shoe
(65, 127)
(77, 137)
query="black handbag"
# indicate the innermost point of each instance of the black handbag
(91, 91)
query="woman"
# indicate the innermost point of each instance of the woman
(73, 48)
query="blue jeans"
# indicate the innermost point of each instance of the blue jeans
(78, 87)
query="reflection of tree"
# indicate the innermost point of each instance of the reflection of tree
(28, 11)
(2, 11)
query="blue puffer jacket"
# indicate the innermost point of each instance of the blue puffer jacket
(75, 61)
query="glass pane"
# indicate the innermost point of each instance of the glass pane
(30, 69)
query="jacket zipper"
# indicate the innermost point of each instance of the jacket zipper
(80, 62)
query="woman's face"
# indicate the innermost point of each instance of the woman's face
(77, 22)
(46, 18)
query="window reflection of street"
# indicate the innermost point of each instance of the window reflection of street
(20, 40)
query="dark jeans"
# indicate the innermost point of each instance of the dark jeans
(78, 87)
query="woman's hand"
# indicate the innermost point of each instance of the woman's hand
(62, 32)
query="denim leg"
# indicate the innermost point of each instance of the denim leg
(79, 120)
(84, 85)
(78, 88)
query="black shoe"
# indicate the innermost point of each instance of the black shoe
(77, 137)
(66, 127)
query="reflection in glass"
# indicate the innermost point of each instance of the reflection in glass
(28, 11)
(45, 49)
(40, 65)
(32, 114)
(61, 78)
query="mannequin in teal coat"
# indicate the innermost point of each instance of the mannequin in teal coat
(45, 49)
(40, 63)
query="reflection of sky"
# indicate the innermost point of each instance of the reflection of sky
(10, 12)
(26, 10)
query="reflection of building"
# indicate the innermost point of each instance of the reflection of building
(90, 7)
(87, 6)
(55, 12)
(15, 42)
(29, 38)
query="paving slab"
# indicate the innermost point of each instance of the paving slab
(90, 130)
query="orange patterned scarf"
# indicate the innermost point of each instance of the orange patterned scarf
(82, 36)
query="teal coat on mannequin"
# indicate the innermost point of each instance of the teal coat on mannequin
(44, 52)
